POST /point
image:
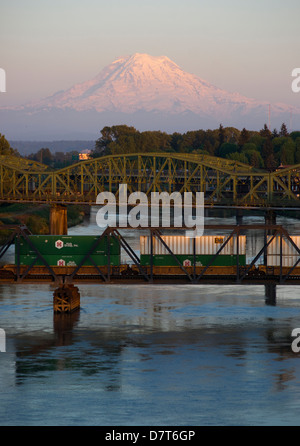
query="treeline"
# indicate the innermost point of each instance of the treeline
(262, 149)
(5, 148)
(56, 160)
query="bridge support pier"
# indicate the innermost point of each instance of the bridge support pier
(270, 217)
(66, 299)
(270, 294)
(239, 217)
(58, 220)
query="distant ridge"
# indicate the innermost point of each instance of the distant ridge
(28, 147)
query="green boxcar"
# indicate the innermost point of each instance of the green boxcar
(201, 260)
(67, 245)
(69, 260)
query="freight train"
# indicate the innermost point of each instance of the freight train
(172, 255)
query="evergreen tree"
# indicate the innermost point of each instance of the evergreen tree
(221, 135)
(5, 148)
(243, 138)
(44, 156)
(283, 131)
(268, 155)
(265, 132)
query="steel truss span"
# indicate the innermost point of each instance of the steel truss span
(276, 261)
(223, 182)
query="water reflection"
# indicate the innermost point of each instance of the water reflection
(63, 325)
(89, 354)
(154, 355)
(102, 346)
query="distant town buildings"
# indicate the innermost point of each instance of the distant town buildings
(85, 155)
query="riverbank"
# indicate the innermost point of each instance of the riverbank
(35, 217)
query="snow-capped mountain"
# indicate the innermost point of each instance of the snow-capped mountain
(150, 93)
(143, 82)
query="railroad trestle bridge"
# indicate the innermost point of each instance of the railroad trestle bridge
(232, 266)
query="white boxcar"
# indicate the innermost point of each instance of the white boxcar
(290, 255)
(208, 245)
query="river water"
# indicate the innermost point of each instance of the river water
(150, 355)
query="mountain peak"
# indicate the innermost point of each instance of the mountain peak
(144, 68)
(136, 82)
(142, 58)
(141, 82)
(149, 92)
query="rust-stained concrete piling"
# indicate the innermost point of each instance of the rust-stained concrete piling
(66, 299)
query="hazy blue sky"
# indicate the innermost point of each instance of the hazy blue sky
(249, 46)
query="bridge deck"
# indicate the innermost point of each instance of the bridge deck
(9, 274)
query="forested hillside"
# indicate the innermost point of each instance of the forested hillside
(263, 149)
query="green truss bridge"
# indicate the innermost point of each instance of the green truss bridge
(224, 182)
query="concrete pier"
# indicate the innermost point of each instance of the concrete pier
(270, 217)
(66, 299)
(239, 217)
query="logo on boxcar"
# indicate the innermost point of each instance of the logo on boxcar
(219, 239)
(59, 244)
